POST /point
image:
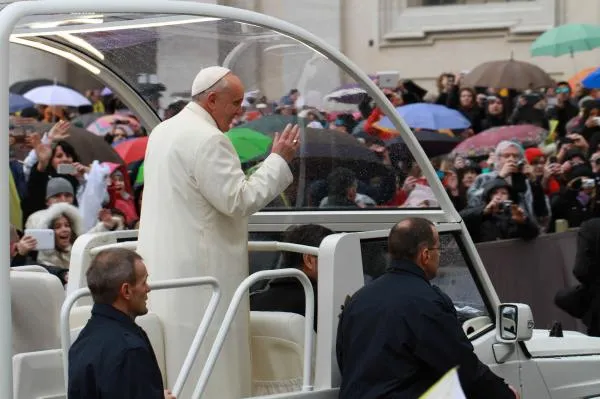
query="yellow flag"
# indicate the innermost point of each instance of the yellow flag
(16, 215)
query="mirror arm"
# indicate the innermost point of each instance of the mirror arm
(502, 351)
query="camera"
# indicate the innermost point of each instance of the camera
(588, 183)
(505, 206)
(520, 165)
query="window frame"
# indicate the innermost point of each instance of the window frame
(398, 21)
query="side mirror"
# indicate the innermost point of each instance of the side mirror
(514, 323)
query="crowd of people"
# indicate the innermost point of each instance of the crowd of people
(513, 192)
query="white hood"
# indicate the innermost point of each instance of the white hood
(573, 343)
(45, 217)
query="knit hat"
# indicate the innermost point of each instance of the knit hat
(531, 154)
(58, 185)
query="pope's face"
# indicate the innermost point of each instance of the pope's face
(226, 104)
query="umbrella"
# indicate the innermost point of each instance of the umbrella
(323, 150)
(426, 116)
(17, 102)
(104, 124)
(509, 74)
(434, 143)
(56, 95)
(485, 142)
(592, 81)
(347, 94)
(85, 120)
(248, 144)
(24, 86)
(132, 150)
(270, 124)
(579, 76)
(566, 39)
(88, 147)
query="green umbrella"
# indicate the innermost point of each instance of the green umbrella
(249, 144)
(270, 124)
(567, 39)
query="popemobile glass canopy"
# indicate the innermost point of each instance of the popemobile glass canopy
(149, 60)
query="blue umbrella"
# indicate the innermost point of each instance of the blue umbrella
(17, 102)
(427, 116)
(592, 81)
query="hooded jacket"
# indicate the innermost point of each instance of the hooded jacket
(54, 257)
(497, 226)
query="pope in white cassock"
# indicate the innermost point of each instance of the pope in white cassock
(194, 223)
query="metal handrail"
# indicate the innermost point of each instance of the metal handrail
(239, 294)
(65, 311)
(267, 246)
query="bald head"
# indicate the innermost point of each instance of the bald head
(409, 236)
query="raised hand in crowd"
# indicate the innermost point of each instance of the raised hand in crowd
(409, 184)
(26, 245)
(44, 153)
(493, 206)
(459, 163)
(518, 214)
(508, 169)
(59, 131)
(105, 216)
(169, 395)
(81, 169)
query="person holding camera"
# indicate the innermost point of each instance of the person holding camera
(500, 217)
(509, 165)
(577, 200)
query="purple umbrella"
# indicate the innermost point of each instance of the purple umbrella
(427, 116)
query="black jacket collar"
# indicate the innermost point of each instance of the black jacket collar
(111, 312)
(407, 266)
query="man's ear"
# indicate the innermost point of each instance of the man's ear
(309, 261)
(125, 291)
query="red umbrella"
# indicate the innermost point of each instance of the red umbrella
(132, 150)
(485, 142)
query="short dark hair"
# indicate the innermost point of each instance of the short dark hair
(408, 237)
(339, 181)
(109, 270)
(306, 234)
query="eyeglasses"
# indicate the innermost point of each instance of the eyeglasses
(562, 90)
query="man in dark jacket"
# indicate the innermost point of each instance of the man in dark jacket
(398, 335)
(500, 217)
(287, 294)
(113, 357)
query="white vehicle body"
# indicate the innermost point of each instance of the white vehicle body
(540, 367)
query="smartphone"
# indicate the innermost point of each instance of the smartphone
(66, 169)
(44, 238)
(388, 79)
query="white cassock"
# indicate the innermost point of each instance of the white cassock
(194, 223)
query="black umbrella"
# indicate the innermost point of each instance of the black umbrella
(323, 150)
(83, 121)
(270, 124)
(433, 142)
(88, 146)
(24, 86)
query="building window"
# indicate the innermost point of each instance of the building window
(414, 19)
(425, 3)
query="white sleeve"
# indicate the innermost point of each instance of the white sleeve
(222, 182)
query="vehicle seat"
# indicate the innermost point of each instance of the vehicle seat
(38, 375)
(149, 322)
(36, 300)
(277, 340)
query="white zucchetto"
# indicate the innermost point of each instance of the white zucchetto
(207, 77)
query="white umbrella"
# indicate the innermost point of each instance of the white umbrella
(56, 95)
